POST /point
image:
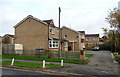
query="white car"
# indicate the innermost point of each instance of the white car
(96, 48)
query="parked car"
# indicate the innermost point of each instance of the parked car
(96, 48)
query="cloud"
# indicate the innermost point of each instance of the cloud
(79, 14)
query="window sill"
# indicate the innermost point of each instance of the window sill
(53, 48)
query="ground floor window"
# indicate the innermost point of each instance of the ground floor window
(53, 44)
(65, 44)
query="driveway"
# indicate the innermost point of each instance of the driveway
(101, 58)
(101, 63)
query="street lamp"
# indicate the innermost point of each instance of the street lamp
(59, 52)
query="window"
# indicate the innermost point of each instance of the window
(53, 44)
(50, 44)
(82, 36)
(87, 39)
(65, 44)
(65, 36)
(51, 30)
(58, 32)
(94, 39)
(77, 36)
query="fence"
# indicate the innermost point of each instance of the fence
(12, 49)
(8, 49)
(54, 54)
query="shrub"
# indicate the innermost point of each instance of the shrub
(109, 45)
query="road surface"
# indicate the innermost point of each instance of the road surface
(9, 72)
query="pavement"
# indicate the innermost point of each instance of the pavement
(101, 63)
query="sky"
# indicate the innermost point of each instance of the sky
(87, 15)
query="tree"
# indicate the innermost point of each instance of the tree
(113, 19)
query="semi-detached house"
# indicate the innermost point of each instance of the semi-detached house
(73, 37)
(34, 33)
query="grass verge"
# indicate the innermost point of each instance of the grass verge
(29, 64)
(88, 55)
(35, 58)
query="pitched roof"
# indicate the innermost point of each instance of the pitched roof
(82, 32)
(29, 16)
(50, 22)
(101, 40)
(70, 29)
(92, 35)
(9, 35)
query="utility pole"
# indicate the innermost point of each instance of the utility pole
(59, 52)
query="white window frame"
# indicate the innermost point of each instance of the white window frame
(94, 39)
(54, 44)
(65, 44)
(58, 32)
(82, 36)
(65, 36)
(52, 32)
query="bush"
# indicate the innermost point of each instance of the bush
(89, 48)
(110, 45)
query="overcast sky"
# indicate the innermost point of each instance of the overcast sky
(88, 15)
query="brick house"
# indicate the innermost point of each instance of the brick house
(0, 45)
(73, 37)
(82, 39)
(8, 39)
(92, 40)
(53, 35)
(32, 33)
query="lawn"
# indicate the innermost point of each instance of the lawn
(29, 64)
(35, 58)
(88, 55)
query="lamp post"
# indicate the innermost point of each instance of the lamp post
(59, 52)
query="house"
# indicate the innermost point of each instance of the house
(53, 36)
(32, 33)
(8, 39)
(73, 37)
(0, 45)
(91, 40)
(82, 39)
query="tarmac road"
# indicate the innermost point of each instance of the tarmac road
(12, 72)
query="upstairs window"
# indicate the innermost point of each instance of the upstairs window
(58, 32)
(87, 39)
(51, 30)
(94, 39)
(77, 36)
(65, 36)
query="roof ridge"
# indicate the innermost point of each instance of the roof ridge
(71, 29)
(29, 16)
